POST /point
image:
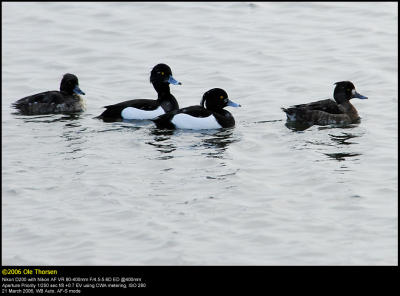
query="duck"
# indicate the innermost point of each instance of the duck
(326, 112)
(208, 115)
(145, 109)
(66, 100)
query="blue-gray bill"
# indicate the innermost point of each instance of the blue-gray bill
(78, 91)
(173, 81)
(359, 96)
(233, 104)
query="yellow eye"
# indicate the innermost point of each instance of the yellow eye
(221, 97)
(162, 73)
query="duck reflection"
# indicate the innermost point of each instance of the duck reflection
(74, 135)
(162, 141)
(72, 130)
(212, 142)
(216, 143)
(51, 118)
(336, 144)
(343, 141)
(341, 156)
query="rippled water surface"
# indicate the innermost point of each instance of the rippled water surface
(79, 191)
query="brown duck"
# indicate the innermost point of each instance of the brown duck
(326, 112)
(64, 101)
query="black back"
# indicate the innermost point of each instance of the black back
(328, 105)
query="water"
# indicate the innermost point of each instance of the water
(78, 191)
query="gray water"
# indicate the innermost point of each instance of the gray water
(79, 191)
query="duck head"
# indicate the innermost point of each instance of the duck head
(69, 84)
(345, 91)
(216, 99)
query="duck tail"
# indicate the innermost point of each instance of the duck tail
(101, 116)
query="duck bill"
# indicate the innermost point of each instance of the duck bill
(78, 91)
(233, 104)
(172, 80)
(359, 96)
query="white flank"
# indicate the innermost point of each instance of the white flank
(186, 121)
(133, 113)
